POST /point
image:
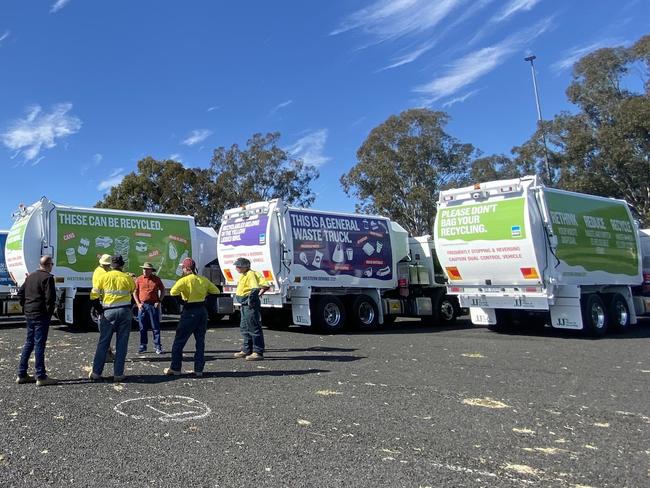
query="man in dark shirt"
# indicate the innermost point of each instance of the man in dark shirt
(37, 297)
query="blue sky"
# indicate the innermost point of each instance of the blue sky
(87, 88)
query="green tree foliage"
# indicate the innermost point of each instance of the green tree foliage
(604, 147)
(164, 187)
(402, 166)
(262, 171)
(235, 177)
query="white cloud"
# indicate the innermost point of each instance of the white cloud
(40, 130)
(571, 56)
(114, 179)
(410, 56)
(58, 5)
(512, 8)
(460, 99)
(214, 107)
(4, 36)
(389, 19)
(176, 157)
(280, 106)
(473, 66)
(196, 136)
(96, 161)
(310, 148)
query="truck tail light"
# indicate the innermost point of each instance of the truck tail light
(453, 273)
(530, 273)
(455, 289)
(228, 275)
(267, 275)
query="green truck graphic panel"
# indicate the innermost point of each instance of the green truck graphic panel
(83, 236)
(494, 221)
(16, 234)
(595, 234)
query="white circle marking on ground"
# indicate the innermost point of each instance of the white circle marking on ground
(170, 408)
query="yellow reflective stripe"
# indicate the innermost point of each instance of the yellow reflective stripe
(117, 292)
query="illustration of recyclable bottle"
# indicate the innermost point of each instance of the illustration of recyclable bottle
(122, 248)
(179, 268)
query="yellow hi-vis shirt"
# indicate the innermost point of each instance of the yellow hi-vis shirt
(193, 288)
(116, 289)
(250, 281)
(97, 274)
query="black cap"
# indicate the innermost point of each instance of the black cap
(242, 263)
(117, 261)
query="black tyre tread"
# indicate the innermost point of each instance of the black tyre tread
(356, 303)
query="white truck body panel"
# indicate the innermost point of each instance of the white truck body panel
(76, 236)
(515, 244)
(297, 248)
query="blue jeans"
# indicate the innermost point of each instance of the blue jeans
(194, 320)
(149, 316)
(250, 327)
(114, 321)
(37, 330)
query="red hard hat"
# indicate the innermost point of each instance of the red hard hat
(188, 263)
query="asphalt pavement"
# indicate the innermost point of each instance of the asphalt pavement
(408, 406)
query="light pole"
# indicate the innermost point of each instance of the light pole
(531, 60)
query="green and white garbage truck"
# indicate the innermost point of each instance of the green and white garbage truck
(515, 249)
(75, 237)
(331, 269)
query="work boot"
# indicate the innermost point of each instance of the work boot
(94, 376)
(21, 380)
(118, 378)
(171, 372)
(256, 356)
(241, 354)
(142, 348)
(159, 350)
(47, 381)
(198, 374)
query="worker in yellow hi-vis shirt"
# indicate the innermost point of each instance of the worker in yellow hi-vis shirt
(115, 289)
(251, 286)
(193, 289)
(101, 270)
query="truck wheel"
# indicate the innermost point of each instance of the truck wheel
(619, 313)
(329, 314)
(445, 310)
(365, 313)
(594, 315)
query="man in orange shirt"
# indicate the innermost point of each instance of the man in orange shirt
(149, 292)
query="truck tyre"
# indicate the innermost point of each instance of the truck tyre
(594, 315)
(365, 313)
(445, 310)
(329, 314)
(619, 313)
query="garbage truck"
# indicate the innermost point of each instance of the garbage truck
(515, 250)
(76, 237)
(9, 304)
(331, 269)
